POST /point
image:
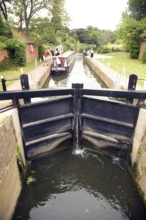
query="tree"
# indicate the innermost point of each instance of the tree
(4, 28)
(59, 16)
(54, 30)
(25, 10)
(4, 8)
(42, 31)
(137, 8)
(94, 35)
(131, 32)
(106, 36)
(84, 36)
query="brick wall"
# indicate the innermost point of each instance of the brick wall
(142, 48)
(31, 52)
(3, 54)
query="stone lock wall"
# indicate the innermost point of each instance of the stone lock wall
(140, 132)
(10, 183)
(138, 154)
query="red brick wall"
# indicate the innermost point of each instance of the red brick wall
(142, 48)
(31, 52)
(3, 54)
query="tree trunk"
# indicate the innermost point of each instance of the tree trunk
(4, 11)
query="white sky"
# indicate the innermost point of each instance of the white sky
(103, 14)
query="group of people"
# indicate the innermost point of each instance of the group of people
(50, 53)
(53, 53)
(87, 52)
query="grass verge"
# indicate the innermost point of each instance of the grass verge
(121, 63)
(16, 72)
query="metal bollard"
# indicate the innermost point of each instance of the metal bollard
(4, 84)
(132, 82)
(24, 81)
(25, 85)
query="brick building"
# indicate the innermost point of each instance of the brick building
(3, 53)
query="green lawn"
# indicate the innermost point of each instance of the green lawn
(16, 72)
(121, 61)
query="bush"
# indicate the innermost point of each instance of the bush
(17, 52)
(115, 49)
(20, 55)
(3, 39)
(144, 57)
(103, 50)
(134, 51)
(6, 64)
(41, 51)
(2, 46)
(126, 49)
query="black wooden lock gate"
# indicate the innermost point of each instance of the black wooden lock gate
(104, 122)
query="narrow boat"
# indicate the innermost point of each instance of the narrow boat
(63, 63)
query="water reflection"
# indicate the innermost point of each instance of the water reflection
(70, 186)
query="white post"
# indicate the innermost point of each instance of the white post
(36, 62)
(124, 70)
(33, 77)
(21, 70)
(120, 78)
(108, 64)
(144, 83)
(117, 78)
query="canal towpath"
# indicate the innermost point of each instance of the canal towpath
(35, 76)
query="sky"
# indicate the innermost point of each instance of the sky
(103, 14)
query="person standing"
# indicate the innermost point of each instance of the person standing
(58, 62)
(46, 55)
(52, 52)
(91, 53)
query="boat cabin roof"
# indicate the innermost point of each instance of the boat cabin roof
(66, 54)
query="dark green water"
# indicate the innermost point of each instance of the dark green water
(85, 186)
